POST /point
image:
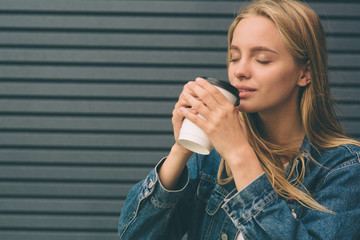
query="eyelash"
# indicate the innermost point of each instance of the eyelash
(263, 62)
(259, 61)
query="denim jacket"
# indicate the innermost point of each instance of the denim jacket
(206, 210)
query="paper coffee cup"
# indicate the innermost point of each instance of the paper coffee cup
(191, 136)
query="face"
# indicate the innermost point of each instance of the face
(261, 67)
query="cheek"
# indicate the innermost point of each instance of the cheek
(279, 78)
(280, 90)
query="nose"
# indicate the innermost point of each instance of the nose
(242, 69)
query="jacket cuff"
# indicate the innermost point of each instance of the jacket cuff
(243, 205)
(160, 196)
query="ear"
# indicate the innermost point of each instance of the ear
(305, 77)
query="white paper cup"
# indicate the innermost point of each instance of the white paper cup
(191, 136)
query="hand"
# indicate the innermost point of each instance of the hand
(224, 127)
(222, 122)
(178, 118)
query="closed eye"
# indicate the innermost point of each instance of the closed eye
(263, 61)
(235, 60)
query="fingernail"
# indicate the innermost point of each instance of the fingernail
(198, 79)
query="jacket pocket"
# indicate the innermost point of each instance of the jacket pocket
(214, 202)
(211, 193)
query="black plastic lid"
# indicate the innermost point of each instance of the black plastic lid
(225, 85)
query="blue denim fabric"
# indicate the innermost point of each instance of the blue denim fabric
(206, 210)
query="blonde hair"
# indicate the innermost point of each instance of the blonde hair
(303, 35)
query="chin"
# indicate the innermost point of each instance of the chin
(246, 109)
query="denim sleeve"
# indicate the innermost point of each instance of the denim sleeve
(149, 207)
(259, 213)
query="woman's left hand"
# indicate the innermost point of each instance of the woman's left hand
(222, 123)
(225, 129)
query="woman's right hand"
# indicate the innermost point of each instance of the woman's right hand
(178, 118)
(175, 162)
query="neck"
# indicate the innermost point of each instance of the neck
(284, 129)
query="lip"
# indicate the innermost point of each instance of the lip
(245, 91)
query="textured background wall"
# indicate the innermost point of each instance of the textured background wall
(86, 94)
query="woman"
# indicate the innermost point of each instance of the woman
(281, 167)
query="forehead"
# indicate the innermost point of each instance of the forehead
(257, 30)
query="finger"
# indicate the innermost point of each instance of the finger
(181, 102)
(195, 118)
(178, 117)
(217, 96)
(196, 104)
(201, 93)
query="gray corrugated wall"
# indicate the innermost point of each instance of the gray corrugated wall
(86, 94)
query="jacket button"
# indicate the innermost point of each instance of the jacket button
(224, 236)
(151, 184)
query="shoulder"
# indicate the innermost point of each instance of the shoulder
(345, 156)
(325, 162)
(342, 154)
(333, 168)
(344, 159)
(353, 150)
(337, 156)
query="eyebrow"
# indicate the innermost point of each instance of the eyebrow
(255, 49)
